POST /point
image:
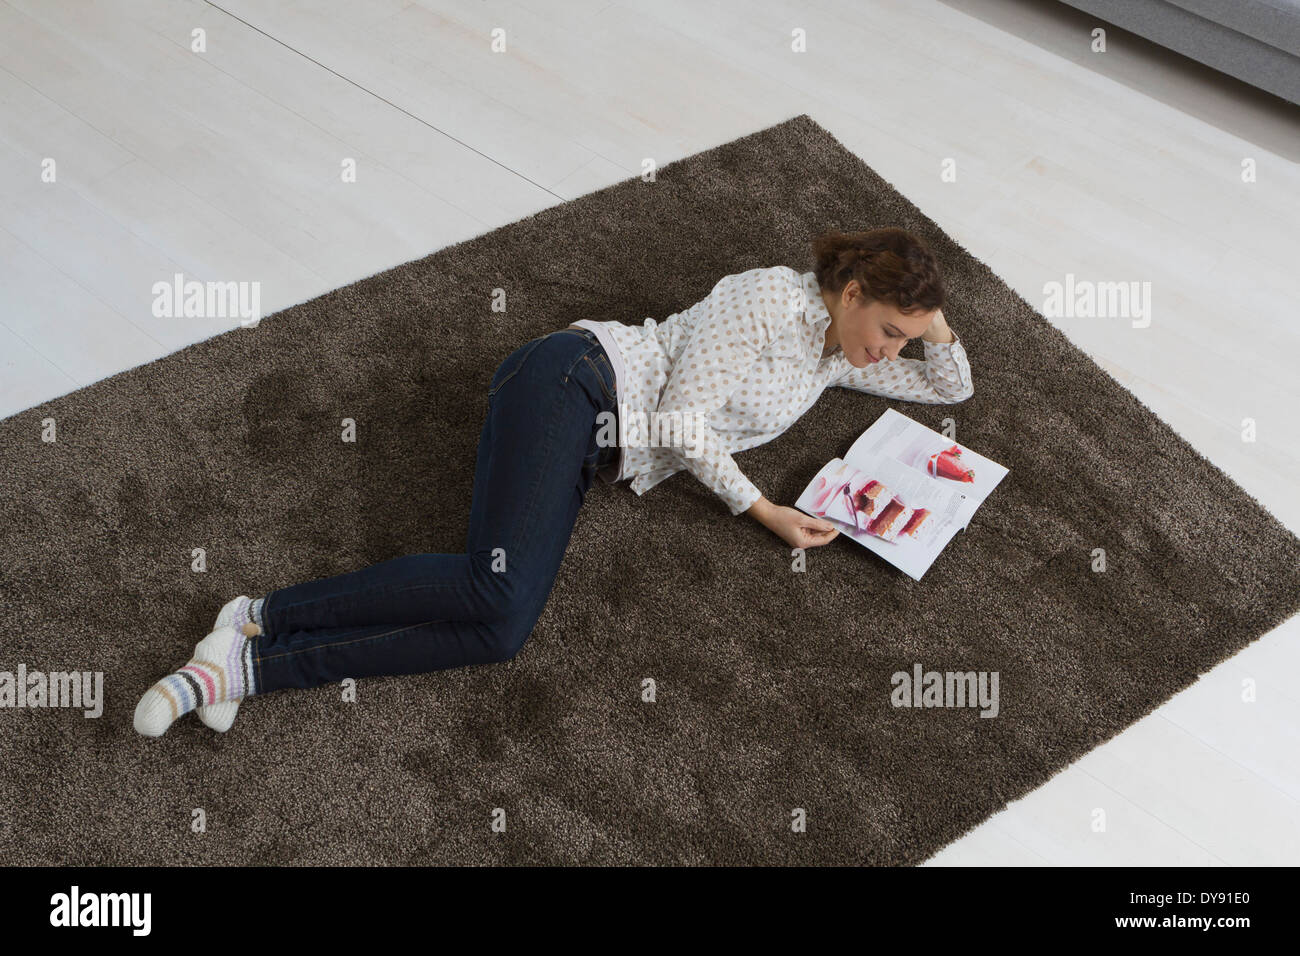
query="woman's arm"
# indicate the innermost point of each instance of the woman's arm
(741, 316)
(791, 525)
(938, 332)
(943, 378)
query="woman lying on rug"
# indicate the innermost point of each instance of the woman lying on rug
(625, 402)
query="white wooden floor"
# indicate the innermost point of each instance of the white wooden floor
(1118, 166)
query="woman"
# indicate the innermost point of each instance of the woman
(626, 402)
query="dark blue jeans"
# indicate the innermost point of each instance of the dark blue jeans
(537, 457)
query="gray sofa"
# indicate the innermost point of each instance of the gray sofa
(1257, 41)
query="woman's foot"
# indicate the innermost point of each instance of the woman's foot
(237, 614)
(220, 671)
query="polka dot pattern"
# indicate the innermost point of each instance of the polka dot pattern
(749, 359)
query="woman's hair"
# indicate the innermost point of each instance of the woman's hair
(890, 264)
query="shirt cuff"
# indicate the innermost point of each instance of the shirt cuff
(740, 496)
(956, 340)
(954, 352)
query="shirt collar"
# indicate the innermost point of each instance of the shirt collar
(816, 315)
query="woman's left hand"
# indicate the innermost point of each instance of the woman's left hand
(938, 330)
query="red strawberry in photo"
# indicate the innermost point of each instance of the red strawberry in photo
(948, 464)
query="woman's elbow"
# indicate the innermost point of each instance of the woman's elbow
(963, 394)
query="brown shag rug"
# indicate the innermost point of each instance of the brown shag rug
(773, 687)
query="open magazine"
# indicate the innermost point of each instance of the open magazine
(903, 490)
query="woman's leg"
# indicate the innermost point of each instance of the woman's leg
(536, 459)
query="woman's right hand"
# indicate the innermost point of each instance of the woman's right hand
(792, 526)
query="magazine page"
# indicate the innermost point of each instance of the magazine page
(904, 517)
(947, 463)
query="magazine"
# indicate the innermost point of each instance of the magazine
(902, 490)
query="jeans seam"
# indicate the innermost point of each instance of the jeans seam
(530, 507)
(603, 387)
(396, 592)
(514, 371)
(372, 637)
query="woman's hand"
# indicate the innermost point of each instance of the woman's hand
(791, 525)
(938, 330)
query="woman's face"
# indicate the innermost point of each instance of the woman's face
(870, 332)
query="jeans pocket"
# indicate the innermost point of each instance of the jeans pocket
(600, 365)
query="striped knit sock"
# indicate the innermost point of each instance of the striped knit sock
(221, 670)
(241, 614)
(236, 612)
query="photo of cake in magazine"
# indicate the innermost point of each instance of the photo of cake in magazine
(903, 490)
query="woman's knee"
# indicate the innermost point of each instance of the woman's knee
(509, 606)
(498, 582)
(508, 635)
(510, 624)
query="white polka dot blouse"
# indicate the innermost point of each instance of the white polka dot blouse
(738, 368)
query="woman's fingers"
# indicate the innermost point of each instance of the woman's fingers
(819, 535)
